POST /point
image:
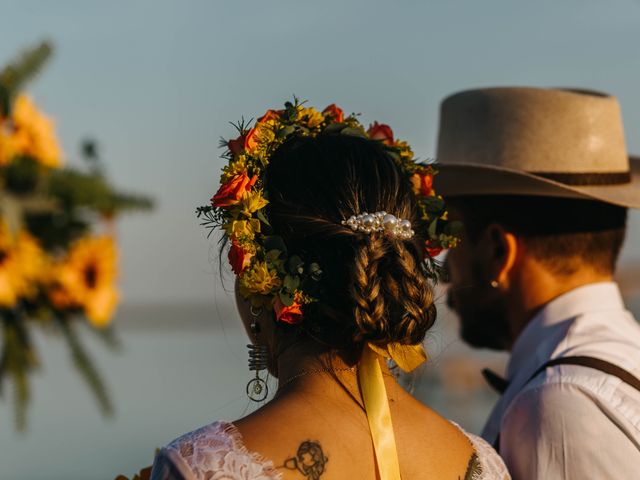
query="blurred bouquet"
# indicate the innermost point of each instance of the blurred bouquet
(58, 255)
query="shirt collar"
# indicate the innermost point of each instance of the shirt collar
(537, 342)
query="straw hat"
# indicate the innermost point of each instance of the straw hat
(534, 141)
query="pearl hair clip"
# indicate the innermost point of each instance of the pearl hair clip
(380, 222)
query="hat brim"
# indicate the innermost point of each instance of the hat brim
(455, 180)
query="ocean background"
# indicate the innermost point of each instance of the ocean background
(181, 366)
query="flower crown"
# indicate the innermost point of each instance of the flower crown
(267, 275)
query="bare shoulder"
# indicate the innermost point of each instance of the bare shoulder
(331, 442)
(426, 440)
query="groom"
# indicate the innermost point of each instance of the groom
(542, 182)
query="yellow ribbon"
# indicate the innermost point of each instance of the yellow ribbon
(376, 402)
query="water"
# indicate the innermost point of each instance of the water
(181, 367)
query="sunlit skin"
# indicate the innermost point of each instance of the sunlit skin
(316, 407)
(493, 317)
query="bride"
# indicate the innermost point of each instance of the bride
(331, 233)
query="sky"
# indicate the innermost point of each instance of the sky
(157, 83)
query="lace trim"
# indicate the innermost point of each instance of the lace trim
(238, 444)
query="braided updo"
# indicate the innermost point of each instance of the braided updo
(374, 287)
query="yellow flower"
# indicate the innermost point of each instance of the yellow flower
(86, 278)
(252, 201)
(8, 147)
(405, 150)
(310, 116)
(9, 269)
(243, 229)
(258, 279)
(33, 135)
(236, 167)
(33, 264)
(22, 266)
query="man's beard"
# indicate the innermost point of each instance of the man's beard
(483, 317)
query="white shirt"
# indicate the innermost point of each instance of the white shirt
(572, 422)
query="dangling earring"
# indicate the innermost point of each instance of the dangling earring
(495, 283)
(257, 389)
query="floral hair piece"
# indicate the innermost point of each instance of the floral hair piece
(267, 274)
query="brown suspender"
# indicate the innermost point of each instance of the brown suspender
(589, 362)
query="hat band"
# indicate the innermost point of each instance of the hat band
(588, 178)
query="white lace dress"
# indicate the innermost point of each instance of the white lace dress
(217, 452)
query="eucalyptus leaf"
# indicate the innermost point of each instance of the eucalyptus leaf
(272, 256)
(274, 242)
(291, 283)
(355, 132)
(286, 299)
(296, 264)
(433, 226)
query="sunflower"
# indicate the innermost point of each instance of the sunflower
(86, 279)
(22, 265)
(31, 134)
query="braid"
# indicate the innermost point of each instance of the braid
(366, 290)
(415, 295)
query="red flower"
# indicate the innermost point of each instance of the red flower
(231, 192)
(335, 112)
(380, 131)
(288, 314)
(236, 146)
(430, 251)
(239, 258)
(422, 183)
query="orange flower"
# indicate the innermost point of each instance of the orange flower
(239, 258)
(422, 183)
(270, 115)
(335, 112)
(380, 131)
(289, 314)
(251, 140)
(231, 192)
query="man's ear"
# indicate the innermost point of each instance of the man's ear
(502, 252)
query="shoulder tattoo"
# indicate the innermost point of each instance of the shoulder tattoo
(310, 460)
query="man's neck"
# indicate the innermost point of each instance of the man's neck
(536, 286)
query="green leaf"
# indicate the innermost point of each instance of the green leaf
(433, 229)
(286, 131)
(286, 299)
(336, 128)
(315, 271)
(433, 204)
(296, 265)
(355, 132)
(291, 283)
(272, 256)
(262, 217)
(86, 368)
(274, 242)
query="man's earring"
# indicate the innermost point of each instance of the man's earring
(257, 389)
(495, 283)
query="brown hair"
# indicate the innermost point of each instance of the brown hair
(565, 234)
(374, 288)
